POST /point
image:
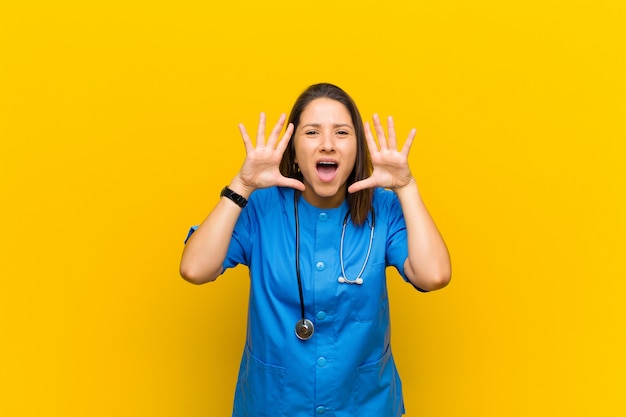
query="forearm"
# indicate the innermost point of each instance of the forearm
(428, 264)
(206, 249)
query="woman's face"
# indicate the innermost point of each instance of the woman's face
(325, 151)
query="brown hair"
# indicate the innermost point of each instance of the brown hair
(360, 203)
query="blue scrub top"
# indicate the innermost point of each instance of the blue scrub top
(346, 368)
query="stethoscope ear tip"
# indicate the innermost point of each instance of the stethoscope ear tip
(343, 280)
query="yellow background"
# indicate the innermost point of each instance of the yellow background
(118, 128)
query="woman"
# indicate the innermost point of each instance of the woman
(317, 219)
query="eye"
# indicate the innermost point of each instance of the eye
(343, 132)
(310, 132)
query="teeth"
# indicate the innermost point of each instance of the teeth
(326, 163)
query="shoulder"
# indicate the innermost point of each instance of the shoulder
(263, 195)
(384, 198)
(266, 207)
(265, 200)
(386, 205)
(270, 195)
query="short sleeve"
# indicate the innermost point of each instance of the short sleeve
(239, 246)
(397, 247)
(241, 241)
(397, 241)
(192, 229)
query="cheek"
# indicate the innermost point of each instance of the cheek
(302, 151)
(350, 152)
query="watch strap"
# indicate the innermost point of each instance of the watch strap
(234, 197)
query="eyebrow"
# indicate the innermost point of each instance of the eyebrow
(335, 125)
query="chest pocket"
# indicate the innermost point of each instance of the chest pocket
(368, 301)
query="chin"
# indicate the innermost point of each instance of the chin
(328, 191)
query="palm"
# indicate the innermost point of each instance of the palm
(261, 167)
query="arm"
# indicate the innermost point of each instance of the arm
(428, 263)
(206, 249)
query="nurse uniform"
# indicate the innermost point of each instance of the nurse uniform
(346, 368)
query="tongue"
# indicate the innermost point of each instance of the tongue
(326, 172)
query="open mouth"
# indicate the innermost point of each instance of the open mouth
(326, 170)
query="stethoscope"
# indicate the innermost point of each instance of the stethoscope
(304, 326)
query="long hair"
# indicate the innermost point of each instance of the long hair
(360, 203)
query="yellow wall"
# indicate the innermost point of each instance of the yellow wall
(118, 128)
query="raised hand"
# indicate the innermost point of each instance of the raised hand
(391, 167)
(260, 169)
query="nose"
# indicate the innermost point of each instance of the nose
(327, 143)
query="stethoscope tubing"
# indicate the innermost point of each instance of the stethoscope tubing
(304, 327)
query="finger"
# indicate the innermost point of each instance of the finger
(362, 185)
(380, 133)
(271, 141)
(260, 134)
(409, 141)
(246, 139)
(290, 182)
(369, 138)
(284, 141)
(391, 130)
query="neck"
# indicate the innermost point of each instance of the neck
(318, 201)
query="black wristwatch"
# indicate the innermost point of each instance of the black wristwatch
(234, 197)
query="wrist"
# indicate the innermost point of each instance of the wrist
(233, 196)
(410, 188)
(240, 188)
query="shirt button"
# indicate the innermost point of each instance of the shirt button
(321, 315)
(321, 361)
(323, 217)
(320, 410)
(320, 266)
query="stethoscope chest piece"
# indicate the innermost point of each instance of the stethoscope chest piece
(304, 329)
